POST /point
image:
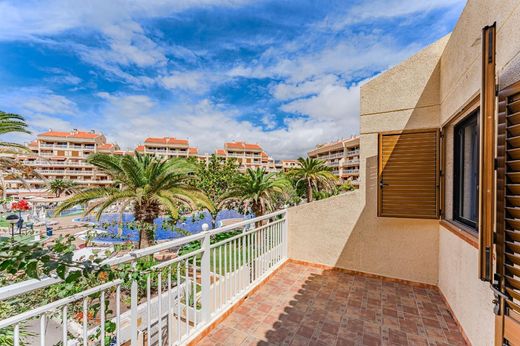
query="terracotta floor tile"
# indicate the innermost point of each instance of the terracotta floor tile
(302, 305)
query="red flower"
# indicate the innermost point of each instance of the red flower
(22, 205)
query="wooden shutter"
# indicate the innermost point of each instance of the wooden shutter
(409, 174)
(507, 280)
(486, 222)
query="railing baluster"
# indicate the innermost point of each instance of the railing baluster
(159, 308)
(64, 331)
(85, 322)
(194, 293)
(220, 277)
(148, 309)
(170, 314)
(205, 279)
(42, 330)
(237, 258)
(102, 325)
(226, 274)
(179, 302)
(133, 310)
(214, 274)
(118, 315)
(186, 296)
(16, 335)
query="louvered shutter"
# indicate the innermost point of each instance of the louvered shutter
(486, 222)
(409, 175)
(508, 208)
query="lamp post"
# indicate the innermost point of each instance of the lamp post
(12, 219)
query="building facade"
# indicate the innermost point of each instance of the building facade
(62, 155)
(247, 155)
(167, 147)
(342, 156)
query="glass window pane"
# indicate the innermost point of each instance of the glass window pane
(466, 171)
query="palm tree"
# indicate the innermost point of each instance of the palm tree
(314, 174)
(257, 190)
(61, 186)
(11, 123)
(149, 185)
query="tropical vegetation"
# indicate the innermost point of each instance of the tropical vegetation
(257, 191)
(9, 164)
(216, 176)
(62, 186)
(149, 185)
(314, 175)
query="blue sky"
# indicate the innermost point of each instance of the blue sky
(284, 74)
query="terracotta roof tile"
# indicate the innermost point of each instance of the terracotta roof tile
(166, 140)
(220, 152)
(193, 150)
(242, 145)
(106, 146)
(140, 148)
(72, 134)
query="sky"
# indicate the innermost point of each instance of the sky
(283, 74)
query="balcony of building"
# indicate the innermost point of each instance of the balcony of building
(254, 287)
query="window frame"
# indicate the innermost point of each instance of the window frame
(458, 170)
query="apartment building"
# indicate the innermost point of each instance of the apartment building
(62, 155)
(247, 155)
(342, 156)
(167, 147)
(285, 165)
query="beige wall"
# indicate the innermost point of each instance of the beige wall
(460, 74)
(424, 91)
(460, 63)
(469, 298)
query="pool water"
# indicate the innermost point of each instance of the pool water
(163, 231)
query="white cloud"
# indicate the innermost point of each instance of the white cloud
(50, 104)
(384, 9)
(31, 19)
(124, 42)
(131, 118)
(287, 91)
(332, 103)
(269, 121)
(194, 81)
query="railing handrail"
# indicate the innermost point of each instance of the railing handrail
(185, 240)
(13, 290)
(51, 306)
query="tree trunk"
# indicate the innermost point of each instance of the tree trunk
(258, 210)
(309, 191)
(145, 214)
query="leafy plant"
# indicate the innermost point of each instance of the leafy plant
(216, 176)
(314, 175)
(61, 186)
(258, 191)
(149, 185)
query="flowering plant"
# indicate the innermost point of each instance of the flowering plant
(22, 205)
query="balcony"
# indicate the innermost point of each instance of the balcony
(243, 290)
(301, 303)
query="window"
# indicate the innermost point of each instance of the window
(465, 175)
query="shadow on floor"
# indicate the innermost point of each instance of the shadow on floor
(302, 305)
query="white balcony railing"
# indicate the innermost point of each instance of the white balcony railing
(172, 302)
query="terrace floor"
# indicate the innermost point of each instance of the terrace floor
(303, 305)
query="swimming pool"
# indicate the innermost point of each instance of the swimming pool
(107, 226)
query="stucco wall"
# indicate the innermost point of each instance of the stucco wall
(469, 298)
(460, 78)
(345, 232)
(461, 59)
